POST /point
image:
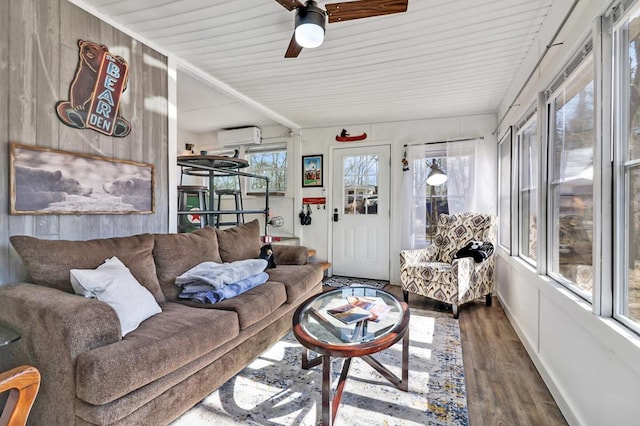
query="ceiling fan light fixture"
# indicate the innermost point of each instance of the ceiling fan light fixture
(310, 25)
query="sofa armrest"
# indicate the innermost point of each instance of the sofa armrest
(55, 328)
(290, 255)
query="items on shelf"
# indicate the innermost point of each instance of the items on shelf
(215, 166)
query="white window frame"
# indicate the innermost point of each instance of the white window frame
(622, 168)
(505, 171)
(264, 149)
(533, 120)
(577, 66)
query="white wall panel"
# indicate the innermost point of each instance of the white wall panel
(589, 364)
(520, 298)
(321, 140)
(596, 385)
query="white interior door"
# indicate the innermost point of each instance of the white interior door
(360, 213)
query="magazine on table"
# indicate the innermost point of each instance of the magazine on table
(349, 313)
(360, 308)
(375, 305)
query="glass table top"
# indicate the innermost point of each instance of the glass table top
(320, 324)
(7, 335)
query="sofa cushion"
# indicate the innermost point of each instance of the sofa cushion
(160, 345)
(240, 242)
(113, 283)
(48, 262)
(297, 279)
(253, 305)
(290, 255)
(175, 254)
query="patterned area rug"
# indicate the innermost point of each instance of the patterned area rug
(339, 281)
(275, 390)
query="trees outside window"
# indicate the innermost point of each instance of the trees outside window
(571, 154)
(273, 164)
(627, 178)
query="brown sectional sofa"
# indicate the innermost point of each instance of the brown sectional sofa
(92, 375)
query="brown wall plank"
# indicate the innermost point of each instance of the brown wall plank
(4, 136)
(38, 60)
(47, 42)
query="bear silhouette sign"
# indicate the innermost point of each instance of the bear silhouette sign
(96, 91)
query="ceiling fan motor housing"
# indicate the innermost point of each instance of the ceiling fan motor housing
(310, 20)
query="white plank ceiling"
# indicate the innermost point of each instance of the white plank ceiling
(441, 58)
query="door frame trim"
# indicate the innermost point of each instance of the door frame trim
(334, 146)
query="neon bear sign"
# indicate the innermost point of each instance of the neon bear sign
(96, 91)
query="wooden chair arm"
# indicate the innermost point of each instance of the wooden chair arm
(22, 383)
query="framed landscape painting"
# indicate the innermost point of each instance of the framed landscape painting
(51, 181)
(312, 170)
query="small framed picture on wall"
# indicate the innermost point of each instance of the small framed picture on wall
(312, 171)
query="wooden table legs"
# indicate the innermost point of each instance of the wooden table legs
(23, 384)
(330, 403)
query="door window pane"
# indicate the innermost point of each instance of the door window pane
(528, 185)
(360, 184)
(571, 182)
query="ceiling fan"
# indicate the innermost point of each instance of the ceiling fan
(311, 20)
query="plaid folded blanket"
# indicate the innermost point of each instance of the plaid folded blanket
(209, 294)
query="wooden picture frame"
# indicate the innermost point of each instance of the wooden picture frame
(52, 181)
(312, 171)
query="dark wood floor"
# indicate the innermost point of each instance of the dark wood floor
(503, 386)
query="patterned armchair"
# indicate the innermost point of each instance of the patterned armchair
(434, 273)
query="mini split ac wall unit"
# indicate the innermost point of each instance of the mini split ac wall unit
(241, 136)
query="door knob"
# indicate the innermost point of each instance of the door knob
(335, 215)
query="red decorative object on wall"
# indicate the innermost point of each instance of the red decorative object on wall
(345, 137)
(95, 92)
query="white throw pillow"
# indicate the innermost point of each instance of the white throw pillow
(113, 283)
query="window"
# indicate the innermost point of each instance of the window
(528, 189)
(457, 160)
(361, 184)
(271, 163)
(451, 196)
(224, 181)
(627, 175)
(436, 196)
(570, 193)
(504, 191)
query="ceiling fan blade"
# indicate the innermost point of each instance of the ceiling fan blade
(346, 11)
(294, 48)
(290, 4)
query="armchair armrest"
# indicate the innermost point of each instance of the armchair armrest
(427, 254)
(474, 280)
(290, 255)
(55, 328)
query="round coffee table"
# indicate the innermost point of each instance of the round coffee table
(319, 331)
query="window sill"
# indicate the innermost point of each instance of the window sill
(262, 194)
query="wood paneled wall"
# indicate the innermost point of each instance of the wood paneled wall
(38, 59)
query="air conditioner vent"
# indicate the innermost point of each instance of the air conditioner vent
(242, 136)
